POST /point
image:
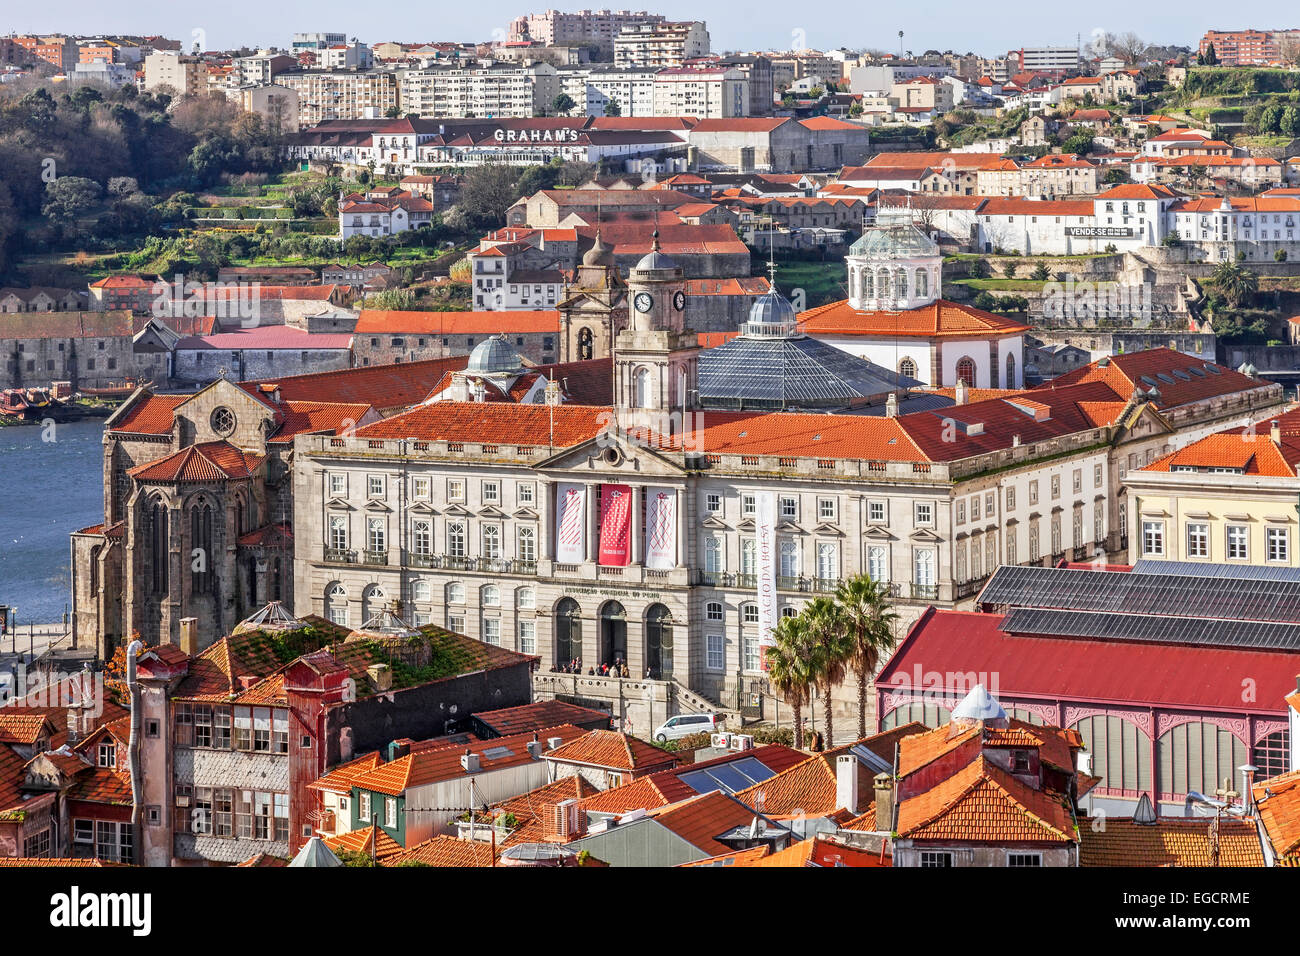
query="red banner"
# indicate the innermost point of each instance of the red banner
(615, 525)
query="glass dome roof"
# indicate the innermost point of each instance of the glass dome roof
(493, 355)
(903, 241)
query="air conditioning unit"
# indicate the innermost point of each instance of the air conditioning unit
(741, 742)
(720, 741)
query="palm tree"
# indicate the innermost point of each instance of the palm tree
(832, 650)
(1237, 284)
(788, 668)
(864, 608)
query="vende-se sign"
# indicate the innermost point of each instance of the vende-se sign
(1101, 232)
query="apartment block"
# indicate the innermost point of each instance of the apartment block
(661, 45)
(326, 95)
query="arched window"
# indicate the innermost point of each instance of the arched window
(200, 555)
(966, 371)
(372, 602)
(659, 642)
(490, 596)
(900, 279)
(868, 284)
(1011, 371)
(277, 580)
(714, 611)
(455, 593)
(584, 343)
(641, 388)
(159, 546)
(568, 631)
(789, 610)
(526, 599)
(336, 603)
(421, 590)
(907, 367)
(922, 282)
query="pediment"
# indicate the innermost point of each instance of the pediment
(745, 524)
(878, 533)
(924, 534)
(491, 511)
(526, 514)
(826, 528)
(459, 511)
(613, 456)
(375, 505)
(789, 527)
(423, 508)
(713, 521)
(339, 504)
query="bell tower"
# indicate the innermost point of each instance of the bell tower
(655, 379)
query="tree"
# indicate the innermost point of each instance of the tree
(1211, 58)
(69, 198)
(613, 109)
(1041, 273)
(486, 192)
(562, 104)
(832, 650)
(1235, 283)
(869, 623)
(1009, 270)
(788, 667)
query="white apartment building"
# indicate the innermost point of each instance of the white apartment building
(595, 88)
(342, 94)
(184, 74)
(345, 56)
(591, 28)
(703, 93)
(490, 91)
(661, 45)
(1047, 59)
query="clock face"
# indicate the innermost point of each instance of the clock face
(644, 302)
(679, 301)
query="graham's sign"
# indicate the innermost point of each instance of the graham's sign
(562, 135)
(1100, 232)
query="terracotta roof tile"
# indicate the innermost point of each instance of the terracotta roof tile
(373, 321)
(446, 851)
(1278, 800)
(1171, 841)
(342, 777)
(701, 818)
(940, 319)
(149, 415)
(612, 750)
(24, 727)
(207, 461)
(983, 803)
(371, 839)
(535, 716)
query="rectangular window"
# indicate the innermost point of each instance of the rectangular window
(789, 507)
(960, 517)
(527, 637)
(422, 536)
(243, 728)
(363, 806)
(527, 544)
(935, 858)
(1278, 544)
(1238, 542)
(1198, 540)
(390, 812)
(526, 492)
(338, 484)
(1011, 499)
(338, 539)
(1024, 859)
(491, 492)
(374, 486)
(826, 509)
(712, 503)
(456, 539)
(876, 512)
(376, 535)
(975, 508)
(421, 487)
(1078, 480)
(923, 513)
(1033, 492)
(455, 489)
(1153, 538)
(748, 504)
(752, 660)
(262, 729)
(1096, 476)
(877, 563)
(715, 651)
(988, 504)
(492, 630)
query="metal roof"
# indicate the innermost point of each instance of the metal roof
(1252, 572)
(1133, 592)
(790, 372)
(1261, 635)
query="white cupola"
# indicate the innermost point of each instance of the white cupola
(893, 268)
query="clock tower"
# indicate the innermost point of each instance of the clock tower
(655, 356)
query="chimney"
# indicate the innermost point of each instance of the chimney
(846, 782)
(469, 760)
(534, 748)
(1275, 432)
(884, 784)
(1248, 772)
(891, 405)
(380, 677)
(459, 389)
(1015, 441)
(190, 635)
(961, 393)
(553, 743)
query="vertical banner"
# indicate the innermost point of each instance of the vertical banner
(765, 545)
(661, 529)
(571, 522)
(615, 525)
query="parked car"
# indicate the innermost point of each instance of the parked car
(683, 725)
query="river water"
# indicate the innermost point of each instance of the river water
(51, 484)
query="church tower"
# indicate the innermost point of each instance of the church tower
(655, 357)
(594, 309)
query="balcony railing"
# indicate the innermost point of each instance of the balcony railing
(421, 560)
(340, 556)
(376, 557)
(924, 592)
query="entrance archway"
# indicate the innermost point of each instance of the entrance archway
(613, 633)
(568, 631)
(659, 642)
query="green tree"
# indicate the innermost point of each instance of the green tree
(789, 668)
(1009, 270)
(486, 192)
(613, 109)
(1211, 58)
(69, 198)
(869, 623)
(562, 103)
(1041, 273)
(1235, 283)
(832, 650)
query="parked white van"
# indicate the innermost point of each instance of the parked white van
(684, 725)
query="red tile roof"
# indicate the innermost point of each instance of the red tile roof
(539, 714)
(702, 817)
(983, 803)
(1278, 800)
(446, 851)
(24, 727)
(822, 850)
(494, 423)
(342, 777)
(148, 414)
(1123, 373)
(383, 386)
(614, 751)
(940, 319)
(207, 461)
(370, 840)
(1171, 841)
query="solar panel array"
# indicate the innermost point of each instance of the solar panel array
(728, 777)
(1205, 569)
(1259, 635)
(1133, 592)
